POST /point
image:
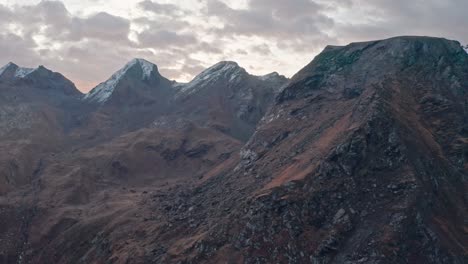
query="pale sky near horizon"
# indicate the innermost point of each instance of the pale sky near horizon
(88, 40)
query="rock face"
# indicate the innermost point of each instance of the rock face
(360, 158)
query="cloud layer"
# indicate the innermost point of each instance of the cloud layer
(185, 36)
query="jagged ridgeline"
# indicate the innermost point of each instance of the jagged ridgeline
(359, 158)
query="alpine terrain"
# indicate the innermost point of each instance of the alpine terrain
(360, 157)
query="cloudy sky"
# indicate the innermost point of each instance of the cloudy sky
(87, 40)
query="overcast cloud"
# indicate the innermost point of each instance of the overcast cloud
(87, 40)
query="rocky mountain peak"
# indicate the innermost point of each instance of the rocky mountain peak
(147, 68)
(39, 78)
(277, 80)
(12, 70)
(373, 62)
(139, 70)
(270, 76)
(227, 71)
(7, 67)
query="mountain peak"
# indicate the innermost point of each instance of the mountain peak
(39, 78)
(15, 71)
(147, 67)
(8, 67)
(227, 70)
(379, 59)
(136, 69)
(9, 64)
(269, 76)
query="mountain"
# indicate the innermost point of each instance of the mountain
(37, 108)
(11, 70)
(39, 78)
(362, 159)
(359, 158)
(39, 96)
(138, 80)
(130, 99)
(224, 97)
(227, 98)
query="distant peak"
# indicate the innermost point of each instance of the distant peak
(228, 70)
(224, 63)
(146, 67)
(16, 71)
(103, 91)
(10, 64)
(140, 60)
(228, 67)
(269, 76)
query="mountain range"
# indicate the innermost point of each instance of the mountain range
(360, 157)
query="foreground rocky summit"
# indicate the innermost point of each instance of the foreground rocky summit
(361, 158)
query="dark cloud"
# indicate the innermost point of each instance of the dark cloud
(52, 19)
(18, 49)
(398, 17)
(285, 21)
(263, 49)
(163, 38)
(102, 26)
(161, 23)
(160, 9)
(296, 25)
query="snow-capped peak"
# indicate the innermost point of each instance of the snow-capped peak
(103, 91)
(7, 66)
(269, 76)
(146, 66)
(226, 69)
(19, 72)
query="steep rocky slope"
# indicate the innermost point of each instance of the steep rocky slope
(361, 160)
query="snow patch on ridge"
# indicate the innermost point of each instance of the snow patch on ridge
(20, 72)
(269, 76)
(146, 66)
(225, 69)
(23, 72)
(103, 91)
